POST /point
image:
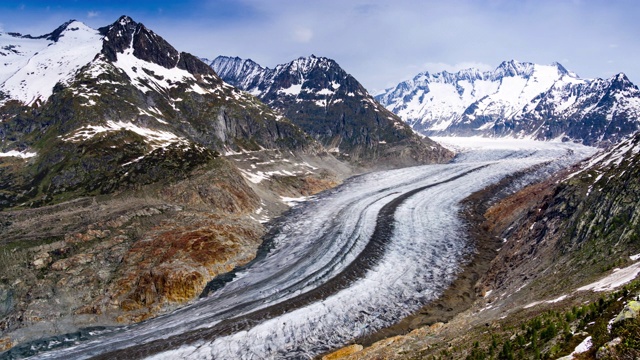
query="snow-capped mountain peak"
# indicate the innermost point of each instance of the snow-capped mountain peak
(329, 104)
(514, 68)
(517, 99)
(34, 65)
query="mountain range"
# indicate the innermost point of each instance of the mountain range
(330, 105)
(93, 107)
(518, 99)
(132, 173)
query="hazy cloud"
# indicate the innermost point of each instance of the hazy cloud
(302, 35)
(92, 14)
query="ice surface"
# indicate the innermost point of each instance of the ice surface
(321, 237)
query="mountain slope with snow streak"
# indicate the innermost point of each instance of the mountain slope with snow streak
(315, 245)
(518, 99)
(333, 107)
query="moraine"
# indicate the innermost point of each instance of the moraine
(304, 297)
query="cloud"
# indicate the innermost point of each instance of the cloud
(302, 35)
(92, 14)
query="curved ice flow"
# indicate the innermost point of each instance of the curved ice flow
(319, 240)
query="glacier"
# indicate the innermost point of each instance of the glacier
(304, 296)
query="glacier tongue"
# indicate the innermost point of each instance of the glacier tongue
(317, 243)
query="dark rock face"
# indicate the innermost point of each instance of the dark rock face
(150, 47)
(118, 37)
(333, 107)
(194, 65)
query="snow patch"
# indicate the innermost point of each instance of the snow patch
(20, 154)
(583, 347)
(293, 201)
(155, 138)
(293, 90)
(616, 279)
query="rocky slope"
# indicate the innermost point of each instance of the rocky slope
(540, 296)
(518, 99)
(332, 106)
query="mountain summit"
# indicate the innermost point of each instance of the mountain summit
(332, 106)
(518, 99)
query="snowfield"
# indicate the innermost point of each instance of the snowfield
(265, 311)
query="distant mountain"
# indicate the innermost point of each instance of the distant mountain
(95, 110)
(332, 106)
(518, 99)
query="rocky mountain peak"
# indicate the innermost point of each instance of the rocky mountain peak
(230, 68)
(55, 35)
(147, 45)
(514, 68)
(621, 81)
(332, 106)
(118, 37)
(152, 48)
(562, 70)
(304, 65)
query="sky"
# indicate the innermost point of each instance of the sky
(379, 42)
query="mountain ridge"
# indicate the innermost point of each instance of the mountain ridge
(518, 99)
(332, 106)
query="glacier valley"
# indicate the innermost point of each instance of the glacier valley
(343, 264)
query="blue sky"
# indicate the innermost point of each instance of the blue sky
(379, 42)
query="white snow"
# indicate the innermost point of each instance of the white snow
(325, 92)
(635, 257)
(558, 299)
(20, 154)
(294, 90)
(583, 347)
(155, 138)
(164, 78)
(33, 74)
(437, 101)
(293, 201)
(616, 279)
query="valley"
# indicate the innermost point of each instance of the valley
(157, 204)
(313, 273)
